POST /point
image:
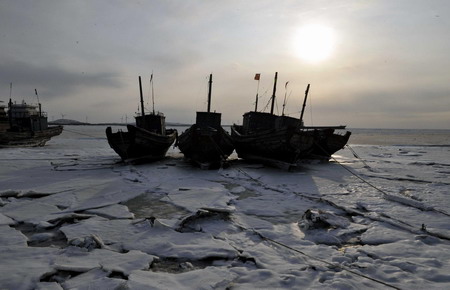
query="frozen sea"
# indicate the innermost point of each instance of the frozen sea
(376, 216)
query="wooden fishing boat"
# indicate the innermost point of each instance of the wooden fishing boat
(148, 140)
(264, 138)
(206, 143)
(283, 141)
(25, 125)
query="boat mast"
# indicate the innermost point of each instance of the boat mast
(273, 94)
(285, 93)
(10, 106)
(304, 104)
(10, 112)
(142, 98)
(40, 110)
(209, 93)
(153, 98)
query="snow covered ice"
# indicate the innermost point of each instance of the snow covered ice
(73, 217)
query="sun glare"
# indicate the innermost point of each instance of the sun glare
(314, 43)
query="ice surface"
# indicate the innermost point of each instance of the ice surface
(4, 220)
(22, 266)
(72, 217)
(12, 237)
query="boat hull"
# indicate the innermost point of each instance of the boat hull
(285, 145)
(138, 145)
(327, 142)
(205, 146)
(28, 138)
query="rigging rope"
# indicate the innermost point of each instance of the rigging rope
(79, 133)
(223, 156)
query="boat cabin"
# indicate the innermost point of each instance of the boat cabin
(152, 122)
(208, 119)
(286, 121)
(255, 121)
(4, 124)
(24, 117)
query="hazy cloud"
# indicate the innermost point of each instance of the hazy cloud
(390, 62)
(54, 81)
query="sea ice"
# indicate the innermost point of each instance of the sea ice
(83, 220)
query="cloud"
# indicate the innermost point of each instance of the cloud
(86, 55)
(54, 81)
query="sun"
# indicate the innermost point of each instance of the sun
(314, 42)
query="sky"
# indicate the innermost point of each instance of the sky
(370, 64)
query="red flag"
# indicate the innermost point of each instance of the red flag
(257, 77)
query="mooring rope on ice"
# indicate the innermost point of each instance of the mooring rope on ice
(355, 154)
(79, 133)
(395, 222)
(344, 268)
(341, 267)
(390, 220)
(388, 196)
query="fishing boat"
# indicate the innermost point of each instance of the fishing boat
(284, 141)
(148, 140)
(206, 143)
(25, 125)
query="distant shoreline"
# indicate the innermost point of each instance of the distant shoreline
(77, 123)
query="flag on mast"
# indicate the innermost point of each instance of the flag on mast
(257, 77)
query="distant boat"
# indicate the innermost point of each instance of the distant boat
(148, 140)
(283, 141)
(25, 125)
(206, 143)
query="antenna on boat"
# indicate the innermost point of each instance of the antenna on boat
(284, 102)
(39, 103)
(209, 92)
(10, 90)
(37, 96)
(257, 77)
(273, 94)
(153, 98)
(142, 98)
(304, 104)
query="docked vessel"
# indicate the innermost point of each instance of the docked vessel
(25, 125)
(283, 141)
(148, 140)
(206, 143)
